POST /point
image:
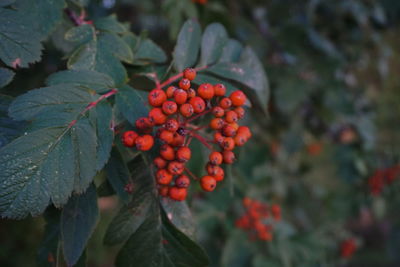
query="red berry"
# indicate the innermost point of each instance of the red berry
(219, 89)
(178, 140)
(218, 137)
(167, 152)
(189, 74)
(180, 96)
(206, 91)
(164, 177)
(166, 136)
(175, 167)
(238, 98)
(191, 93)
(213, 169)
(160, 163)
(219, 174)
(163, 190)
(218, 112)
(231, 116)
(184, 84)
(240, 140)
(229, 157)
(244, 130)
(198, 104)
(228, 130)
(145, 142)
(225, 103)
(228, 143)
(156, 97)
(217, 123)
(144, 125)
(169, 107)
(215, 158)
(171, 91)
(183, 154)
(178, 194)
(129, 138)
(186, 110)
(157, 116)
(182, 181)
(171, 125)
(240, 112)
(208, 183)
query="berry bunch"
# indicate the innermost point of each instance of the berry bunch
(173, 112)
(382, 177)
(256, 220)
(347, 248)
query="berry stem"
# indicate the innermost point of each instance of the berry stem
(176, 77)
(197, 116)
(202, 140)
(194, 177)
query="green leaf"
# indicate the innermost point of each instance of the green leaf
(187, 46)
(158, 243)
(105, 134)
(47, 253)
(9, 128)
(149, 52)
(213, 41)
(23, 28)
(247, 71)
(81, 34)
(231, 51)
(117, 46)
(110, 24)
(6, 76)
(118, 175)
(78, 220)
(130, 104)
(60, 154)
(179, 214)
(88, 79)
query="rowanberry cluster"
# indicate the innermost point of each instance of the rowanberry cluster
(382, 177)
(257, 219)
(347, 248)
(173, 112)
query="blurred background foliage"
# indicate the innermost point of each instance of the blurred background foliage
(333, 121)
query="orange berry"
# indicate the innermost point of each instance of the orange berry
(208, 183)
(231, 116)
(180, 96)
(128, 138)
(213, 169)
(175, 167)
(218, 112)
(217, 123)
(178, 194)
(225, 103)
(183, 154)
(215, 158)
(238, 98)
(244, 130)
(163, 190)
(182, 181)
(219, 89)
(205, 91)
(169, 107)
(163, 177)
(144, 125)
(240, 112)
(234, 125)
(156, 97)
(218, 137)
(229, 157)
(171, 91)
(171, 125)
(167, 152)
(178, 140)
(186, 110)
(160, 163)
(184, 84)
(228, 130)
(191, 93)
(228, 144)
(198, 104)
(240, 140)
(219, 174)
(157, 116)
(189, 74)
(145, 142)
(166, 136)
